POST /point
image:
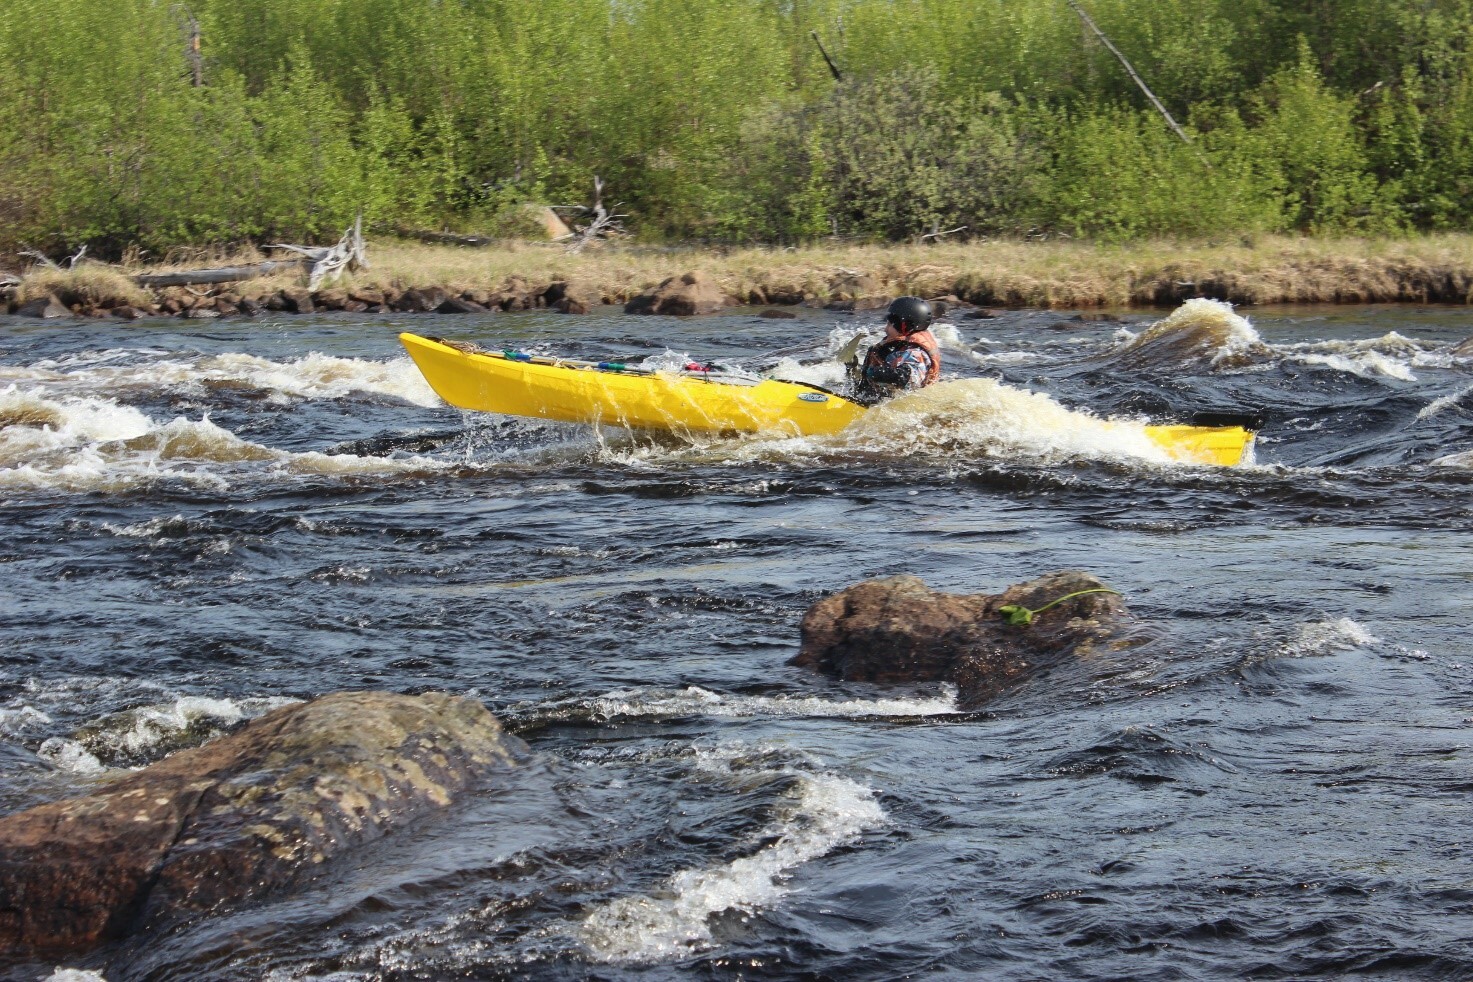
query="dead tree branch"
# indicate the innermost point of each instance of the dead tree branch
(833, 68)
(605, 224)
(40, 257)
(938, 234)
(1089, 22)
(350, 254)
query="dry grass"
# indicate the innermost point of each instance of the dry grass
(89, 284)
(1045, 274)
(1433, 268)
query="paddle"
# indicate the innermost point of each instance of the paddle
(850, 352)
(602, 366)
(1253, 422)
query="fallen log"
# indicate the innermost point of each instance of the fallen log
(223, 274)
(448, 238)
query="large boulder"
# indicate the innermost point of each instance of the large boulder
(899, 630)
(680, 296)
(249, 814)
(47, 307)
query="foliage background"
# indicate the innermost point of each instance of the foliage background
(717, 120)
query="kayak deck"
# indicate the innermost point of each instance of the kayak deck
(516, 384)
(580, 392)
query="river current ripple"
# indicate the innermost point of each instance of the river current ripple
(202, 521)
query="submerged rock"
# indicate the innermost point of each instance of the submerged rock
(247, 815)
(900, 630)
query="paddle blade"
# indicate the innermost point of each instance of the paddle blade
(1252, 422)
(850, 352)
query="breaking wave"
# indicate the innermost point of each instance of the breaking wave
(76, 443)
(1200, 332)
(696, 701)
(313, 376)
(821, 813)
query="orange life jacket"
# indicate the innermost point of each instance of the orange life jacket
(924, 340)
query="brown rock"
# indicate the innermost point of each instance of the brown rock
(477, 296)
(48, 307)
(455, 305)
(246, 815)
(251, 308)
(127, 313)
(366, 295)
(785, 296)
(420, 300)
(571, 305)
(355, 306)
(980, 314)
(225, 308)
(331, 299)
(899, 630)
(780, 315)
(684, 296)
(298, 300)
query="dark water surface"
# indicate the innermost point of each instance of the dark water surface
(203, 520)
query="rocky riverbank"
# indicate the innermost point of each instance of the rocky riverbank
(422, 278)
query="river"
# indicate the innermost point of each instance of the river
(203, 520)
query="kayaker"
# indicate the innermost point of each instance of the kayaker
(908, 358)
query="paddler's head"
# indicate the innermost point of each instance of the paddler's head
(908, 315)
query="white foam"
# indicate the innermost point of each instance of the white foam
(74, 975)
(696, 701)
(18, 719)
(1446, 402)
(1366, 364)
(154, 725)
(69, 756)
(971, 418)
(1327, 637)
(84, 444)
(314, 376)
(1463, 459)
(825, 812)
(319, 376)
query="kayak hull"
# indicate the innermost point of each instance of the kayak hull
(492, 382)
(696, 403)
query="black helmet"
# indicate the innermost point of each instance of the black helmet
(909, 314)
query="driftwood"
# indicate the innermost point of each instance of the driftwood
(45, 260)
(604, 224)
(349, 254)
(224, 274)
(320, 262)
(448, 238)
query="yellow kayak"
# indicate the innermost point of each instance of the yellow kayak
(517, 384)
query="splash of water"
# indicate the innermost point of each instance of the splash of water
(696, 701)
(970, 418)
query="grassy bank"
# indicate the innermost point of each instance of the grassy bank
(1040, 274)
(1269, 270)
